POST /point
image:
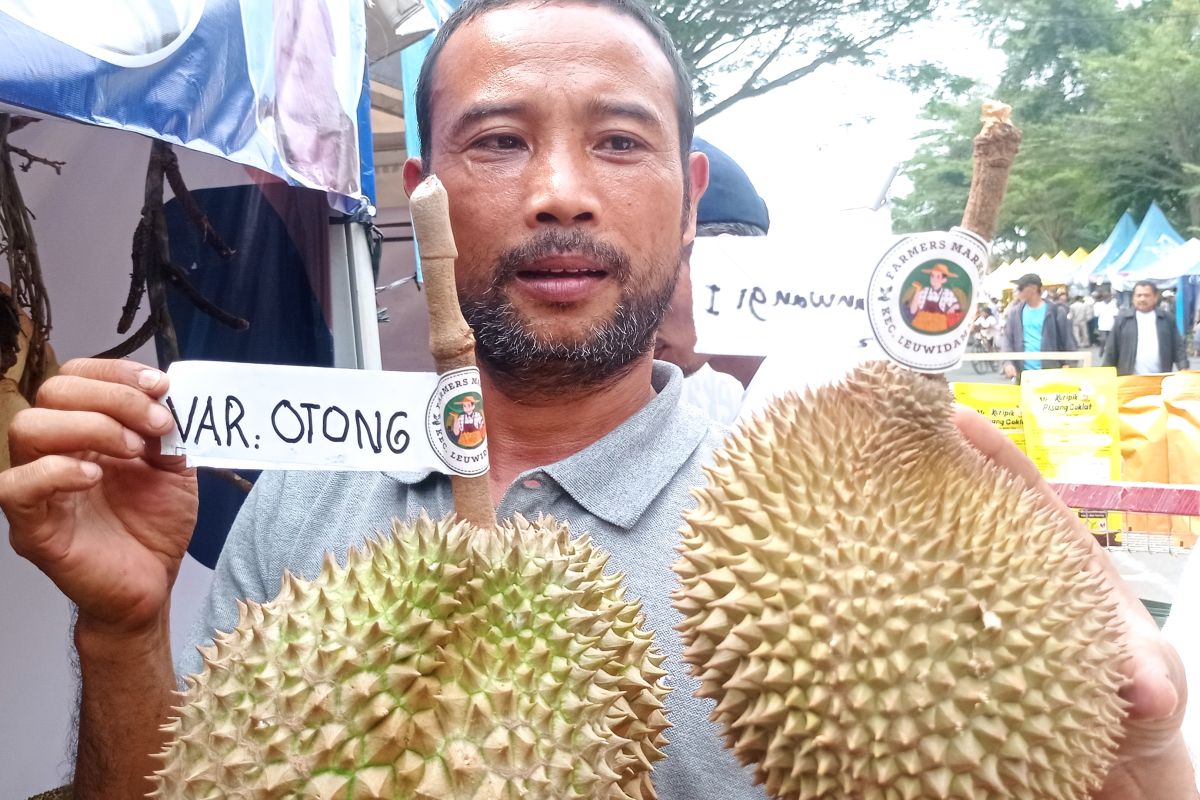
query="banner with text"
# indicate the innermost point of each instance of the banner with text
(258, 416)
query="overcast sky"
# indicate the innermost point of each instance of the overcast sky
(829, 141)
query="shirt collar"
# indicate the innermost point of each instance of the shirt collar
(617, 477)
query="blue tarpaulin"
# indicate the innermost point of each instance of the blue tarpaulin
(272, 85)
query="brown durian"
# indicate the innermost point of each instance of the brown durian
(442, 662)
(882, 614)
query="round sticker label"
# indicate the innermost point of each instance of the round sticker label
(922, 296)
(455, 422)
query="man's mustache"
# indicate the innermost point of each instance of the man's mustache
(554, 242)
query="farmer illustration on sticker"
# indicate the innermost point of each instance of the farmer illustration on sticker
(935, 304)
(464, 421)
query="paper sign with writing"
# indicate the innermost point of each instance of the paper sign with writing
(760, 295)
(258, 416)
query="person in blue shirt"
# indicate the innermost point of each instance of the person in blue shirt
(1032, 325)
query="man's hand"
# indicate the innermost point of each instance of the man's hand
(1009, 370)
(91, 502)
(1152, 763)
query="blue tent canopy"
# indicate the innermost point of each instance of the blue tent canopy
(1094, 269)
(1154, 239)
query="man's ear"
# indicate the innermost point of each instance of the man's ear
(697, 167)
(413, 173)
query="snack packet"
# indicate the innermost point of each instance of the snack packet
(1181, 396)
(999, 402)
(1144, 442)
(1072, 429)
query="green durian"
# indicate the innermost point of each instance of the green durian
(882, 614)
(442, 661)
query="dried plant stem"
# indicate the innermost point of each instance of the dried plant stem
(451, 342)
(152, 267)
(20, 247)
(995, 148)
(153, 270)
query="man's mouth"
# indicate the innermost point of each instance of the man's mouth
(561, 279)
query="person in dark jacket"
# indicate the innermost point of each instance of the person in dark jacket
(1032, 325)
(1144, 339)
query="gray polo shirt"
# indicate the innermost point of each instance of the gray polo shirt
(627, 490)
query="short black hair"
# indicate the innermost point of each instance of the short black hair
(1029, 279)
(1153, 286)
(636, 9)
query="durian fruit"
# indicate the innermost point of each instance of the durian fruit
(443, 662)
(881, 614)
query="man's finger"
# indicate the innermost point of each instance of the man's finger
(167, 463)
(132, 407)
(991, 442)
(999, 449)
(118, 370)
(25, 490)
(37, 432)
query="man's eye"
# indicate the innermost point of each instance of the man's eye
(621, 144)
(500, 141)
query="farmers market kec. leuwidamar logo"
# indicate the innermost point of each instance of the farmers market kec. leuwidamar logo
(456, 423)
(921, 294)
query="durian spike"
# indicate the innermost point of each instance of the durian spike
(451, 341)
(995, 147)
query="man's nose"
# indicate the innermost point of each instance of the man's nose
(562, 188)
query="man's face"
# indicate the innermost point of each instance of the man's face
(1030, 294)
(937, 280)
(1144, 298)
(554, 131)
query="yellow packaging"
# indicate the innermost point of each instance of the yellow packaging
(1181, 396)
(1072, 427)
(1144, 442)
(999, 402)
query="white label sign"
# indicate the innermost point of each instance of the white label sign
(256, 416)
(755, 296)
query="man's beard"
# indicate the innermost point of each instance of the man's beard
(518, 360)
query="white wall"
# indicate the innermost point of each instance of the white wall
(85, 220)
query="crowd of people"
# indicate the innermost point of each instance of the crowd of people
(1139, 338)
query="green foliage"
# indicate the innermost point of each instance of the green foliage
(768, 44)
(1108, 98)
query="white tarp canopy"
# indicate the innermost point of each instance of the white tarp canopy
(1055, 270)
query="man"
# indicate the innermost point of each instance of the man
(1144, 339)
(1032, 325)
(1089, 308)
(730, 206)
(935, 308)
(561, 131)
(1078, 314)
(1106, 313)
(985, 326)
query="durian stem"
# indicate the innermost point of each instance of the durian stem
(995, 148)
(451, 341)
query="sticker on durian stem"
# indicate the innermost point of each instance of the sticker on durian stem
(456, 424)
(921, 298)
